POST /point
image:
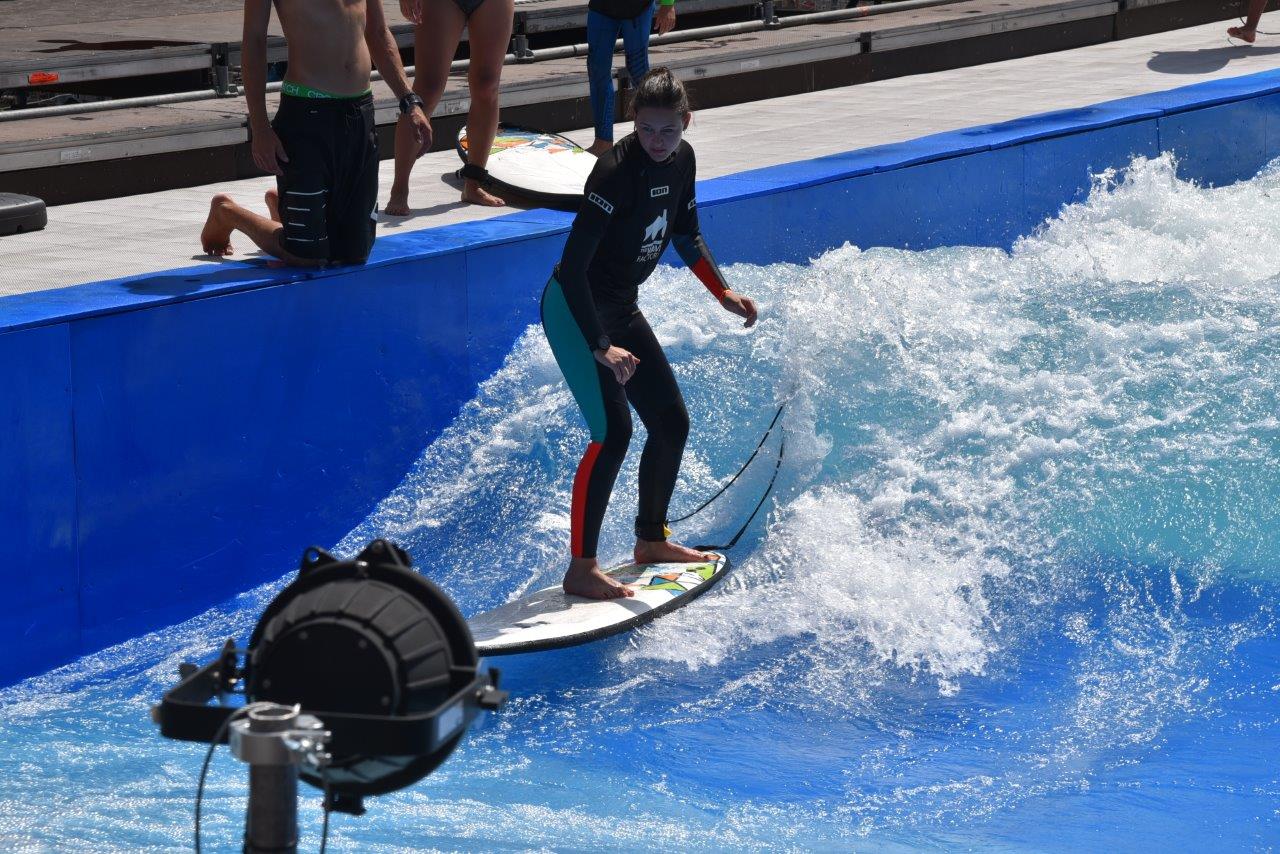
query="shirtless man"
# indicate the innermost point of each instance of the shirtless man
(322, 146)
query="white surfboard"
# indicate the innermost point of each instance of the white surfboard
(550, 619)
(547, 167)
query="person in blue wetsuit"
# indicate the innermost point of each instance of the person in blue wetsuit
(606, 20)
(639, 198)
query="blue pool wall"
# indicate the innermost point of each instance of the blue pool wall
(172, 439)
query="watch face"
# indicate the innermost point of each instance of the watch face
(602, 343)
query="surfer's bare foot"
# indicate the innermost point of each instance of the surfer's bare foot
(661, 551)
(272, 198)
(215, 237)
(474, 194)
(1243, 33)
(584, 578)
(398, 204)
(600, 146)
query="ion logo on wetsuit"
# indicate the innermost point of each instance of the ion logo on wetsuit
(632, 209)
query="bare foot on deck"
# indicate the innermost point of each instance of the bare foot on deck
(660, 551)
(215, 237)
(272, 198)
(1243, 33)
(600, 146)
(584, 578)
(398, 204)
(474, 194)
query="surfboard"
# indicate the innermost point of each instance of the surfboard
(546, 167)
(550, 619)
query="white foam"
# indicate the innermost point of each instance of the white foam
(971, 407)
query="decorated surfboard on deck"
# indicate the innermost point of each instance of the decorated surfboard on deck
(551, 619)
(547, 167)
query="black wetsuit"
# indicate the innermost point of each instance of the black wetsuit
(632, 209)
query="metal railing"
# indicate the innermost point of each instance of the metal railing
(768, 21)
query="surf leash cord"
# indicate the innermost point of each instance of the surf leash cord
(704, 505)
(782, 449)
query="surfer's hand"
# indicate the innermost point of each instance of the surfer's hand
(621, 362)
(420, 125)
(744, 307)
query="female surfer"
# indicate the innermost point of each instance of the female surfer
(639, 198)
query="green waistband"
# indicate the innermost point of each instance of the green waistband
(297, 90)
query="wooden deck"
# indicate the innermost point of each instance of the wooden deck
(137, 38)
(145, 233)
(36, 143)
(120, 152)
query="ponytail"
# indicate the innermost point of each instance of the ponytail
(661, 89)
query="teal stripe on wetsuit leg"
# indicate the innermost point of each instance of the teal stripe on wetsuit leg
(574, 356)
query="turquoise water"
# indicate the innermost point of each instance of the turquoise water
(1015, 590)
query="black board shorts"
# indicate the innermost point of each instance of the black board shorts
(329, 189)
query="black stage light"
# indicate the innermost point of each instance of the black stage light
(376, 652)
(364, 637)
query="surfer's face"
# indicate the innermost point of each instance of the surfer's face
(659, 131)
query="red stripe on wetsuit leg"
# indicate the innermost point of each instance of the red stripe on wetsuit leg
(579, 506)
(707, 273)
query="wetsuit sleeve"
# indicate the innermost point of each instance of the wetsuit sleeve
(687, 238)
(604, 193)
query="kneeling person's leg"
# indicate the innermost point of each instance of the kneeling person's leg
(353, 212)
(305, 185)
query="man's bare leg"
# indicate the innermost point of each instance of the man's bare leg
(225, 216)
(434, 43)
(1249, 32)
(662, 551)
(584, 578)
(398, 203)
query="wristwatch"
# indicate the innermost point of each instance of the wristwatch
(603, 343)
(408, 102)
